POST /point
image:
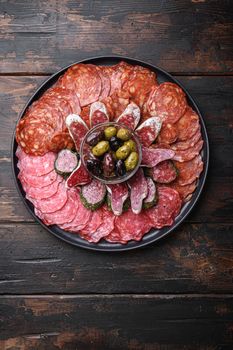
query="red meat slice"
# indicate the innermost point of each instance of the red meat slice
(184, 145)
(164, 172)
(94, 222)
(149, 130)
(53, 203)
(153, 156)
(189, 171)
(38, 165)
(188, 125)
(98, 114)
(41, 193)
(188, 154)
(38, 181)
(185, 191)
(132, 226)
(105, 83)
(168, 133)
(130, 117)
(65, 215)
(79, 176)
(114, 237)
(118, 195)
(77, 129)
(166, 209)
(138, 191)
(168, 102)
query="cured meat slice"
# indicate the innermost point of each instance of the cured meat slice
(168, 102)
(185, 191)
(79, 176)
(34, 139)
(64, 215)
(105, 83)
(80, 220)
(114, 237)
(94, 222)
(98, 114)
(149, 130)
(120, 100)
(53, 203)
(93, 194)
(38, 181)
(188, 154)
(132, 226)
(104, 229)
(139, 84)
(189, 171)
(20, 154)
(66, 162)
(41, 193)
(166, 209)
(77, 129)
(130, 117)
(168, 133)
(85, 80)
(187, 125)
(85, 115)
(151, 197)
(151, 156)
(118, 74)
(164, 172)
(183, 145)
(40, 165)
(139, 191)
(118, 195)
(60, 141)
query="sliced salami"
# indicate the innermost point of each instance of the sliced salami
(79, 176)
(148, 131)
(185, 191)
(167, 102)
(132, 226)
(105, 83)
(77, 129)
(184, 145)
(115, 237)
(152, 156)
(167, 208)
(164, 172)
(130, 117)
(151, 197)
(118, 195)
(168, 133)
(67, 95)
(98, 114)
(188, 125)
(61, 140)
(80, 220)
(85, 80)
(189, 171)
(53, 203)
(93, 194)
(94, 222)
(138, 191)
(38, 166)
(38, 181)
(120, 100)
(64, 215)
(104, 229)
(41, 193)
(190, 153)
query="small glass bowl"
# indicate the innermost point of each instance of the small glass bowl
(85, 149)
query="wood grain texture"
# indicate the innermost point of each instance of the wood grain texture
(194, 259)
(42, 36)
(122, 322)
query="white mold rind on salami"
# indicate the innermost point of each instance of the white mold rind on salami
(149, 130)
(138, 191)
(133, 114)
(153, 156)
(118, 195)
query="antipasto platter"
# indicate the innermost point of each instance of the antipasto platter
(110, 153)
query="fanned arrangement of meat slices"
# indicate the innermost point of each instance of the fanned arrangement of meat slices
(58, 184)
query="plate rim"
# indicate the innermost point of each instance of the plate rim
(114, 247)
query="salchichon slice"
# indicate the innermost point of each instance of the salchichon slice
(66, 162)
(79, 176)
(130, 117)
(153, 156)
(77, 129)
(151, 198)
(118, 194)
(164, 172)
(98, 114)
(93, 194)
(138, 191)
(148, 131)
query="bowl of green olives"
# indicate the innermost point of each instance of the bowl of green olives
(111, 152)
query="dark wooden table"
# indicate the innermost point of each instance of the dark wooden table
(176, 294)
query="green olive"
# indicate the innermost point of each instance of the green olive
(123, 134)
(109, 132)
(101, 148)
(132, 161)
(131, 144)
(123, 152)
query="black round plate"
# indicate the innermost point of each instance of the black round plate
(153, 235)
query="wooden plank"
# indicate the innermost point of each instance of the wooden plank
(116, 322)
(194, 259)
(37, 37)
